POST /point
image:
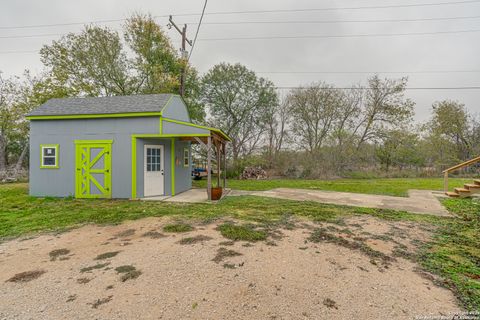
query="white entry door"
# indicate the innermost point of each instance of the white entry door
(153, 171)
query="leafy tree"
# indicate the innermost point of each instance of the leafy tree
(238, 102)
(452, 122)
(399, 147)
(313, 112)
(385, 106)
(99, 62)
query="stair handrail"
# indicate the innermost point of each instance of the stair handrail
(456, 167)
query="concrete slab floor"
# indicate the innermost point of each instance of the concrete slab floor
(418, 201)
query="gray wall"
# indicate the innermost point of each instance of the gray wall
(175, 128)
(61, 182)
(176, 109)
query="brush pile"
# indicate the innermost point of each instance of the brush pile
(253, 173)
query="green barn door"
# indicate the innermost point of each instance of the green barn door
(93, 169)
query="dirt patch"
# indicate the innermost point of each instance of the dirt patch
(125, 233)
(255, 282)
(83, 280)
(58, 253)
(26, 276)
(329, 303)
(153, 234)
(97, 266)
(97, 303)
(223, 253)
(195, 239)
(107, 255)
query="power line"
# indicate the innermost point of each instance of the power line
(366, 88)
(281, 37)
(341, 36)
(198, 29)
(368, 72)
(336, 21)
(250, 12)
(336, 8)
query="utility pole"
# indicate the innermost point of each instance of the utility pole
(183, 51)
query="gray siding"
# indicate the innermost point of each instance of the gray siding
(176, 109)
(183, 178)
(61, 182)
(175, 128)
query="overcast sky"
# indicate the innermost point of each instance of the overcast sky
(408, 54)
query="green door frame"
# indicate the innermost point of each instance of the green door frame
(83, 168)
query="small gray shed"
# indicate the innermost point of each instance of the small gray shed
(115, 147)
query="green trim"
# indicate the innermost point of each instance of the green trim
(220, 132)
(168, 102)
(57, 156)
(92, 141)
(188, 156)
(172, 156)
(134, 167)
(84, 171)
(96, 116)
(170, 135)
(160, 126)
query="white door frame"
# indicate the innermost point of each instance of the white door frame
(153, 180)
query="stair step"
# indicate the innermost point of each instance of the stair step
(472, 186)
(452, 194)
(462, 190)
(476, 181)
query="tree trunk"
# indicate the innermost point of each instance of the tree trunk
(3, 154)
(19, 164)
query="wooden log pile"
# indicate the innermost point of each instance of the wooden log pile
(253, 173)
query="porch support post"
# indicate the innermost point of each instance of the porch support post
(209, 167)
(224, 165)
(219, 163)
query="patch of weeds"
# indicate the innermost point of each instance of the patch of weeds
(226, 243)
(303, 248)
(125, 269)
(403, 253)
(243, 232)
(153, 234)
(321, 234)
(134, 274)
(109, 287)
(125, 233)
(383, 237)
(193, 240)
(99, 302)
(107, 255)
(58, 253)
(194, 305)
(26, 276)
(223, 253)
(271, 243)
(356, 225)
(329, 303)
(83, 280)
(346, 231)
(362, 268)
(229, 265)
(178, 227)
(97, 266)
(71, 298)
(247, 245)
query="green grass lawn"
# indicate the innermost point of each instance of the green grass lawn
(453, 253)
(393, 187)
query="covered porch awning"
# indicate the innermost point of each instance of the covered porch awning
(210, 138)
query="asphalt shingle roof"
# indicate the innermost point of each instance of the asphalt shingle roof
(102, 105)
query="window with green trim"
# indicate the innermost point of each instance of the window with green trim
(48, 156)
(186, 157)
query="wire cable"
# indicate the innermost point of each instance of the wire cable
(198, 29)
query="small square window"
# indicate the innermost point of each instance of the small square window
(49, 156)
